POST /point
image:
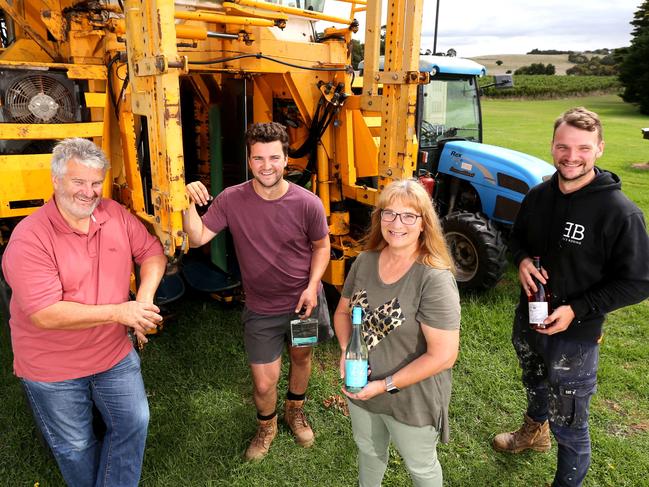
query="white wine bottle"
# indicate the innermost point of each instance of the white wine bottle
(356, 355)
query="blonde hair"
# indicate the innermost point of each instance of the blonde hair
(433, 250)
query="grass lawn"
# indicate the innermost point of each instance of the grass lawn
(199, 389)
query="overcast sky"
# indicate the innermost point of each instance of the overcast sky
(477, 27)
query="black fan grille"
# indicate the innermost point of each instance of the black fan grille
(44, 88)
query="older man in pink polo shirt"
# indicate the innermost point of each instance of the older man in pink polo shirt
(69, 266)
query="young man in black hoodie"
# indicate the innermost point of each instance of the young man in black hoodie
(594, 253)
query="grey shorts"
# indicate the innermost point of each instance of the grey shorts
(265, 335)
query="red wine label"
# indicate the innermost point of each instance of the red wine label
(538, 312)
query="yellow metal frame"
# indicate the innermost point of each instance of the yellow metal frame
(155, 94)
(292, 11)
(149, 42)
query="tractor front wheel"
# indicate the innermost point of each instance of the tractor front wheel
(477, 249)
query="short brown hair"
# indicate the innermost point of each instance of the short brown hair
(266, 133)
(581, 118)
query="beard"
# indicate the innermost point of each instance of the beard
(68, 204)
(570, 174)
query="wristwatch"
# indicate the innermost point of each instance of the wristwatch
(389, 385)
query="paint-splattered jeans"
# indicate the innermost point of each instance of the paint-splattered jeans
(560, 377)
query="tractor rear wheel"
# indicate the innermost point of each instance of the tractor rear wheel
(477, 249)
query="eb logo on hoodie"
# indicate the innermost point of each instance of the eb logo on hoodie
(573, 233)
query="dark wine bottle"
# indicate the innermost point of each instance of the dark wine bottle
(539, 302)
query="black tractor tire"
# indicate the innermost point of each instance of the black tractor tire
(477, 248)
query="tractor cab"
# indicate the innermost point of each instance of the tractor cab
(448, 106)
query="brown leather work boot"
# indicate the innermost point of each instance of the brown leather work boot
(260, 443)
(295, 418)
(531, 436)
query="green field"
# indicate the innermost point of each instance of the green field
(527, 126)
(200, 395)
(536, 86)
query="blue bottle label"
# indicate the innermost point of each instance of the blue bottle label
(355, 373)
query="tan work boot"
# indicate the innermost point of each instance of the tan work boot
(295, 418)
(531, 436)
(260, 443)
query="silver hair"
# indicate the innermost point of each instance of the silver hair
(82, 151)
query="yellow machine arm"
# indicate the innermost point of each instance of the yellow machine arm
(154, 68)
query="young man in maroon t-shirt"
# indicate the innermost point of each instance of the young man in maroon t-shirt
(281, 238)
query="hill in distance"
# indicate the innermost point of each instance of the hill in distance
(514, 61)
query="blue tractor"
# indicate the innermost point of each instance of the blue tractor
(477, 188)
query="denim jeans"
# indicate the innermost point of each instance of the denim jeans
(63, 412)
(560, 377)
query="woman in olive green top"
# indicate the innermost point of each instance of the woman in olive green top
(411, 320)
